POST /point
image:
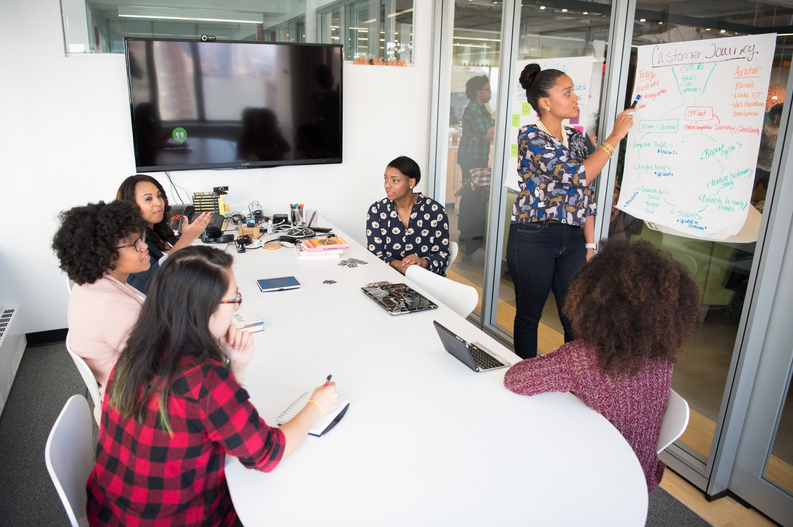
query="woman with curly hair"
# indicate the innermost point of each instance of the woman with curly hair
(633, 308)
(147, 193)
(99, 245)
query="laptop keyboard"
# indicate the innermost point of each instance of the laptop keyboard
(483, 359)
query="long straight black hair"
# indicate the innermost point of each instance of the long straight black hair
(173, 322)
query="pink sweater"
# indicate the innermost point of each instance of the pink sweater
(634, 405)
(100, 317)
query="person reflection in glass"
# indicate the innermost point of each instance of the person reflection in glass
(261, 140)
(474, 152)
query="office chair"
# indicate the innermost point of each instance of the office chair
(88, 379)
(69, 457)
(461, 298)
(453, 250)
(69, 285)
(675, 421)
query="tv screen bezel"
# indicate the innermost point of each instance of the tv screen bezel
(235, 164)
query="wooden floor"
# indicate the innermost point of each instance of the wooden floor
(723, 512)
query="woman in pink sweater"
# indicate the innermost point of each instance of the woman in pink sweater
(99, 245)
(632, 308)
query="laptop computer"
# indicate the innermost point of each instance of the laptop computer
(399, 299)
(473, 355)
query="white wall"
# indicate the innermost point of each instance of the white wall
(65, 140)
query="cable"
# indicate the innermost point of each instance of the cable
(173, 186)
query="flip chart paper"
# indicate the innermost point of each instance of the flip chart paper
(580, 71)
(692, 151)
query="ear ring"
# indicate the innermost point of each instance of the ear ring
(548, 109)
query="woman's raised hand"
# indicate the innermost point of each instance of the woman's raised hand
(191, 231)
(622, 124)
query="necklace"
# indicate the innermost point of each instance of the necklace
(564, 135)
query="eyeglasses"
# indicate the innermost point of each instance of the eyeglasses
(137, 244)
(237, 300)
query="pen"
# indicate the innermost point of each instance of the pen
(328, 381)
(636, 101)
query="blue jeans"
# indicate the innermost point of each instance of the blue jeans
(542, 257)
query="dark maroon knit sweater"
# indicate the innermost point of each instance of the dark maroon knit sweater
(634, 405)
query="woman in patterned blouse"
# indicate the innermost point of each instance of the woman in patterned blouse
(407, 228)
(174, 407)
(546, 240)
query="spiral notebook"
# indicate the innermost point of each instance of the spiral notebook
(324, 424)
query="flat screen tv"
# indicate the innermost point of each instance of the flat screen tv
(198, 105)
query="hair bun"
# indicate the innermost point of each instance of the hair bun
(528, 75)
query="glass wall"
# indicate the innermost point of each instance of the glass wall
(572, 39)
(721, 268)
(371, 29)
(475, 56)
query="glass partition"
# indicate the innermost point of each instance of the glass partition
(721, 268)
(572, 38)
(475, 52)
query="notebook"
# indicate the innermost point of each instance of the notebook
(473, 355)
(278, 284)
(324, 424)
(398, 299)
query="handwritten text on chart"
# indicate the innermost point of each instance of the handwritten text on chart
(714, 53)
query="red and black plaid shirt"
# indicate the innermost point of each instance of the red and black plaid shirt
(145, 476)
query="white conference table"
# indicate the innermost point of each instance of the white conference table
(426, 441)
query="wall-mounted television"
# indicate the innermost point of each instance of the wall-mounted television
(199, 105)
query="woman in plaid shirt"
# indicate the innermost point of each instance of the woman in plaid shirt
(174, 406)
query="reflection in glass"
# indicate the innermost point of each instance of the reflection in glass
(476, 51)
(780, 463)
(721, 268)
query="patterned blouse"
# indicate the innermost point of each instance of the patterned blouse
(553, 179)
(427, 234)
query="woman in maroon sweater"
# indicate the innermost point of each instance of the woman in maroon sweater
(632, 307)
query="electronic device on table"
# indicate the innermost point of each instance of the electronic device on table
(242, 122)
(473, 355)
(399, 299)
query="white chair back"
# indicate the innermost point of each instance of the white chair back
(453, 250)
(69, 285)
(461, 298)
(675, 421)
(86, 374)
(69, 457)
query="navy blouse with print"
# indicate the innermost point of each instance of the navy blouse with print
(427, 234)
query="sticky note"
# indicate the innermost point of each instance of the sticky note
(513, 150)
(526, 110)
(515, 120)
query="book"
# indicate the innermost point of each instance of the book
(278, 284)
(303, 254)
(248, 321)
(325, 244)
(324, 424)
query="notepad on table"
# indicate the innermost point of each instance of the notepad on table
(248, 322)
(324, 424)
(278, 284)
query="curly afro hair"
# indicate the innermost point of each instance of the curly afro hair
(633, 303)
(87, 238)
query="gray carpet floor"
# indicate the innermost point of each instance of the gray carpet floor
(47, 378)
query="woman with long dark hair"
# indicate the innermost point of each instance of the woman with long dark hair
(633, 307)
(174, 406)
(147, 193)
(546, 236)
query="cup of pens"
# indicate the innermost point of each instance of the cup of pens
(297, 215)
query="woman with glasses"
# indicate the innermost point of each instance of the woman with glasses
(176, 407)
(474, 152)
(99, 245)
(147, 193)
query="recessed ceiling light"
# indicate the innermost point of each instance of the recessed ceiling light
(542, 7)
(722, 31)
(585, 13)
(564, 10)
(642, 20)
(707, 29)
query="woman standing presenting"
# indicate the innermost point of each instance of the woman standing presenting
(546, 240)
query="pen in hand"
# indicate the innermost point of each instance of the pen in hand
(328, 381)
(635, 102)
